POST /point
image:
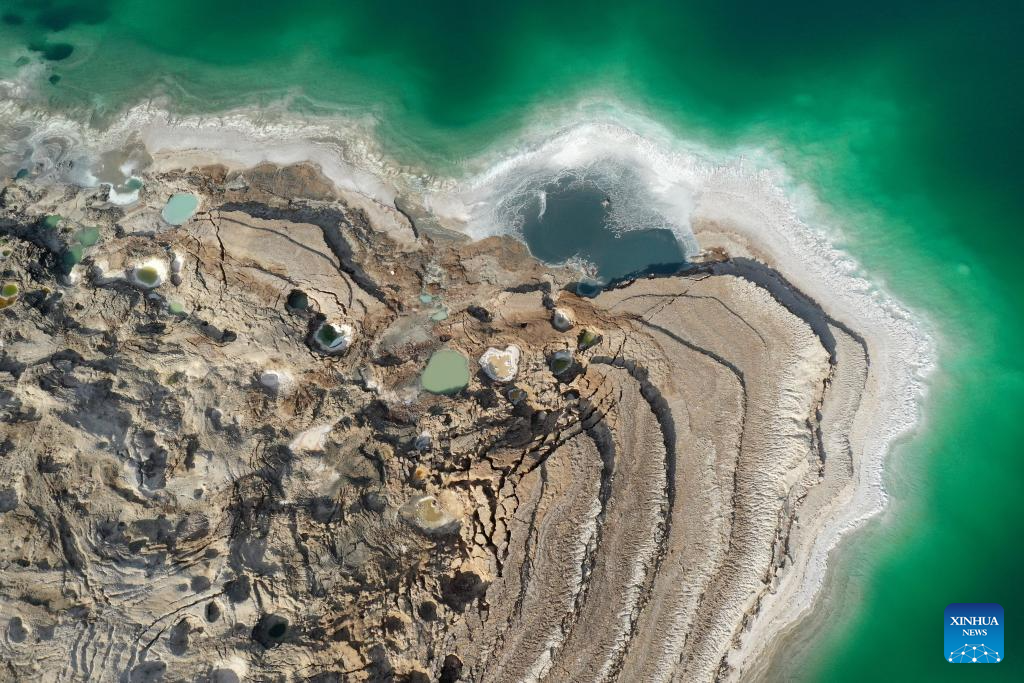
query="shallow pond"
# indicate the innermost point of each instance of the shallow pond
(447, 372)
(574, 220)
(179, 208)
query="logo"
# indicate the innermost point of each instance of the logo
(973, 633)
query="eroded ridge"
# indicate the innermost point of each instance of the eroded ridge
(219, 461)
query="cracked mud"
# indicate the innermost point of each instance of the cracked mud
(193, 488)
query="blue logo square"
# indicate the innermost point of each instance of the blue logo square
(973, 633)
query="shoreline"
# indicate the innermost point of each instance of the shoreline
(896, 386)
(744, 201)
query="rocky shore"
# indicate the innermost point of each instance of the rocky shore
(221, 459)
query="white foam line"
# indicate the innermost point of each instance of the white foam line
(344, 148)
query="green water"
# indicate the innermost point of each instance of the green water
(447, 372)
(88, 237)
(902, 117)
(179, 208)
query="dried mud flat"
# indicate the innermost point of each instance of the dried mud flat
(195, 485)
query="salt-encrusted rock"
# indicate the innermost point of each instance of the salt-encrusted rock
(501, 365)
(333, 338)
(562, 319)
(275, 380)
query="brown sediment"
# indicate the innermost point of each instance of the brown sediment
(625, 519)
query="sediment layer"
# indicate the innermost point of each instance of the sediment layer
(196, 488)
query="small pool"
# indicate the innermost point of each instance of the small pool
(447, 372)
(148, 276)
(574, 219)
(180, 208)
(88, 237)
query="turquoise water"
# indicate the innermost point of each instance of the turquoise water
(902, 118)
(179, 208)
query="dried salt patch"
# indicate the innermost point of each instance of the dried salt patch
(501, 366)
(275, 380)
(311, 439)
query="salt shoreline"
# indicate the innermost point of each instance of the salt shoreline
(734, 194)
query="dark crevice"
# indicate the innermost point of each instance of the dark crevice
(330, 221)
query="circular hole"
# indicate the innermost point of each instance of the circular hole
(298, 300)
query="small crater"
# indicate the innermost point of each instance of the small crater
(179, 638)
(561, 361)
(333, 338)
(480, 313)
(451, 670)
(588, 338)
(147, 672)
(427, 610)
(238, 590)
(462, 588)
(224, 676)
(297, 300)
(16, 630)
(148, 276)
(270, 630)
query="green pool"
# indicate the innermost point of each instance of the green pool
(180, 208)
(447, 372)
